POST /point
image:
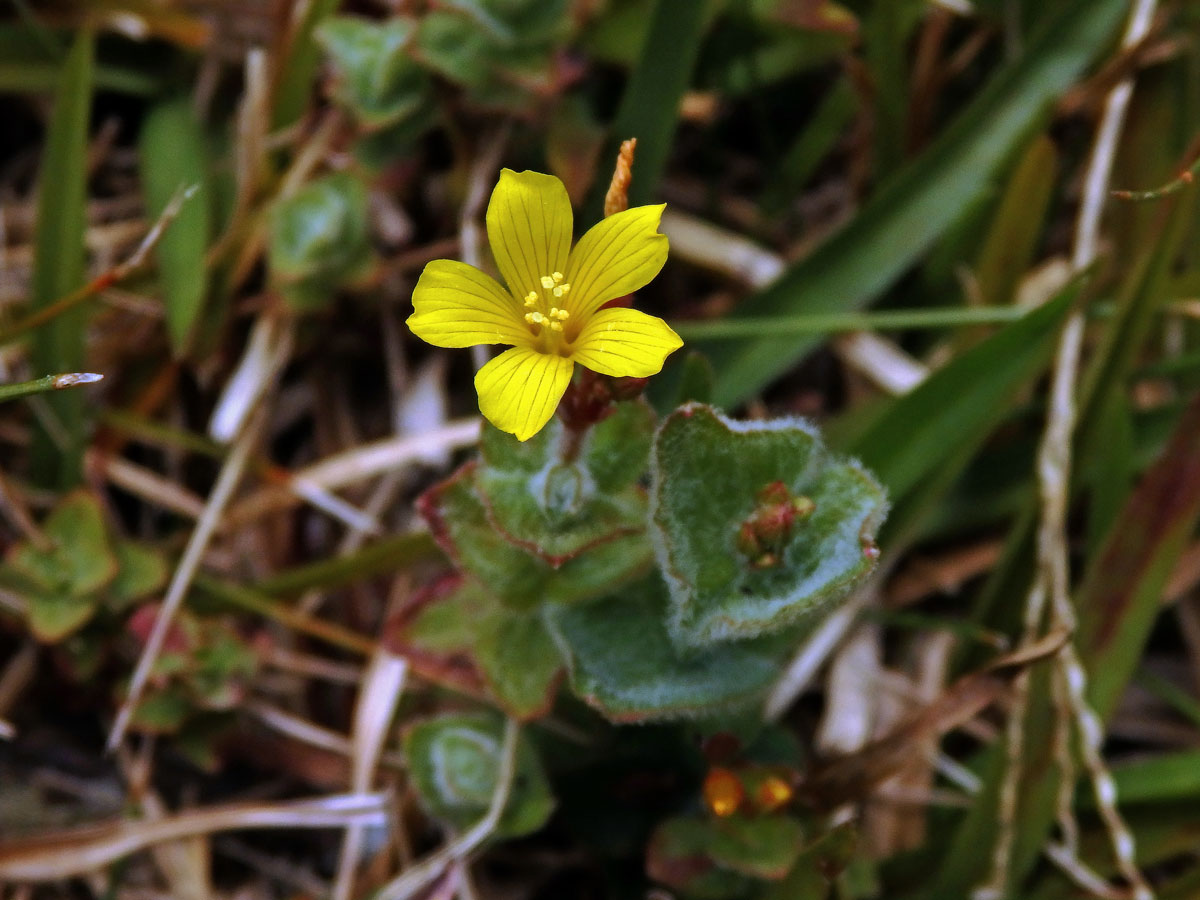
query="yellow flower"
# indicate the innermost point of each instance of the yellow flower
(550, 313)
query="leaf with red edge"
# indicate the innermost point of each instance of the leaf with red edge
(453, 632)
(560, 493)
(459, 523)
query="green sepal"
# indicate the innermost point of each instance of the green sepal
(456, 633)
(377, 78)
(621, 660)
(454, 761)
(818, 865)
(678, 856)
(701, 857)
(763, 847)
(320, 240)
(707, 471)
(459, 523)
(557, 507)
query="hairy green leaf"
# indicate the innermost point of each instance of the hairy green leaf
(708, 475)
(454, 761)
(622, 661)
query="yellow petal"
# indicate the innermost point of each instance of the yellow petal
(624, 342)
(520, 389)
(617, 256)
(529, 228)
(456, 305)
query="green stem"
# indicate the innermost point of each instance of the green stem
(254, 601)
(46, 383)
(1185, 178)
(381, 557)
(786, 326)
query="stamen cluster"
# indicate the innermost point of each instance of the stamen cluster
(554, 316)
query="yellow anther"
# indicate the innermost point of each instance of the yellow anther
(560, 314)
(529, 318)
(558, 292)
(564, 287)
(547, 282)
(556, 326)
(557, 276)
(531, 298)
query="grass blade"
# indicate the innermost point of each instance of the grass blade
(1012, 241)
(297, 62)
(172, 156)
(959, 403)
(650, 106)
(59, 261)
(916, 207)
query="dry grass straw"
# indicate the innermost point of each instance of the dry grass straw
(227, 481)
(1050, 593)
(68, 853)
(382, 685)
(413, 881)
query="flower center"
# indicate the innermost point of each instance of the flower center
(544, 317)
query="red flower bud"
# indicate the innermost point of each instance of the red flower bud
(766, 533)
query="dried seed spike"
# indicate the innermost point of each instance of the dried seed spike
(617, 198)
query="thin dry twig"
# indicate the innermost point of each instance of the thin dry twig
(107, 278)
(410, 883)
(265, 355)
(1052, 579)
(727, 253)
(228, 479)
(817, 648)
(360, 463)
(65, 854)
(145, 484)
(381, 689)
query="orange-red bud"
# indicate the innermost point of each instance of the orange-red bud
(723, 792)
(772, 793)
